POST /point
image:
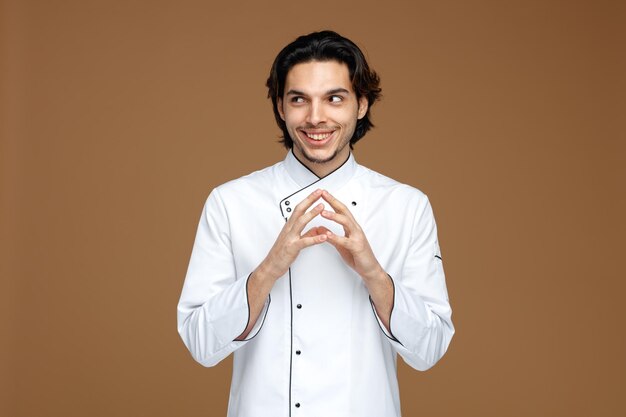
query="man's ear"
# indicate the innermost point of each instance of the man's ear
(363, 106)
(279, 106)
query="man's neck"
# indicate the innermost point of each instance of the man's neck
(322, 169)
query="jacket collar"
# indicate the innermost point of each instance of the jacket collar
(304, 177)
(307, 181)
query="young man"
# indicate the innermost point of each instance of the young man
(317, 271)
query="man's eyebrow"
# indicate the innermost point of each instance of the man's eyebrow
(337, 90)
(294, 93)
(328, 93)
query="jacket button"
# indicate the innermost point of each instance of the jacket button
(298, 352)
(299, 306)
(288, 209)
(287, 202)
(354, 203)
(297, 405)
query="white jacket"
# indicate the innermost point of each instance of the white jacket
(318, 348)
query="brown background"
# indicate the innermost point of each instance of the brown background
(118, 118)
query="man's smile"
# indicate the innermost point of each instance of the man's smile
(317, 137)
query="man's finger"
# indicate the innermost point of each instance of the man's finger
(306, 218)
(345, 221)
(322, 230)
(315, 231)
(337, 240)
(306, 203)
(305, 242)
(336, 204)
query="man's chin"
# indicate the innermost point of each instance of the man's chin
(317, 156)
(319, 160)
(322, 156)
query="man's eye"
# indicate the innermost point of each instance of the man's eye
(297, 100)
(335, 99)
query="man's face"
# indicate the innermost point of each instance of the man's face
(320, 110)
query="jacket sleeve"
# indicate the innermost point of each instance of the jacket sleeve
(420, 324)
(213, 309)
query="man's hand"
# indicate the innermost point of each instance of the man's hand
(291, 241)
(356, 251)
(353, 246)
(288, 244)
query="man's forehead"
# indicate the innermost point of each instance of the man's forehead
(318, 77)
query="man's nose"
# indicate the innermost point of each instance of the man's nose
(316, 113)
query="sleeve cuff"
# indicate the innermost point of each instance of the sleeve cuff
(260, 320)
(388, 333)
(230, 323)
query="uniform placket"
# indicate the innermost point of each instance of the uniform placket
(302, 363)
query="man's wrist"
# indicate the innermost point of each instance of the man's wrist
(376, 276)
(264, 274)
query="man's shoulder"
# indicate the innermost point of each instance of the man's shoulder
(259, 180)
(380, 183)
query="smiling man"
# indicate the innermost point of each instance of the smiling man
(317, 272)
(320, 111)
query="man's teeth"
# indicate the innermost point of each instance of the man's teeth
(320, 136)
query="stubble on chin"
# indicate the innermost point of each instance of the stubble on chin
(314, 160)
(318, 160)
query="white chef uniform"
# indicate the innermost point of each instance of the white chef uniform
(318, 347)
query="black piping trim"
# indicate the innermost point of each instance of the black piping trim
(393, 302)
(310, 170)
(291, 339)
(437, 256)
(269, 296)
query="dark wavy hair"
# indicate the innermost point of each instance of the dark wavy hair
(324, 46)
